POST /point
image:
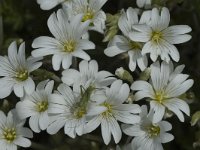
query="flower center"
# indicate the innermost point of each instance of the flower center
(42, 106)
(79, 112)
(108, 112)
(88, 15)
(156, 36)
(160, 96)
(9, 134)
(153, 130)
(69, 46)
(22, 75)
(135, 45)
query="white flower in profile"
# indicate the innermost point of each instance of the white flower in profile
(68, 40)
(159, 37)
(88, 72)
(13, 133)
(35, 106)
(72, 109)
(15, 71)
(164, 90)
(148, 135)
(91, 10)
(123, 44)
(143, 3)
(114, 97)
(49, 4)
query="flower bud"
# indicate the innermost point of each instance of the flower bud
(145, 75)
(124, 74)
(111, 26)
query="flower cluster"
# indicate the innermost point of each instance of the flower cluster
(86, 98)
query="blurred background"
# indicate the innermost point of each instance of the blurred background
(23, 20)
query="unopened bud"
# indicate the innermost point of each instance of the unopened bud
(124, 74)
(131, 98)
(5, 103)
(110, 34)
(195, 118)
(168, 114)
(145, 75)
(5, 107)
(111, 26)
(189, 97)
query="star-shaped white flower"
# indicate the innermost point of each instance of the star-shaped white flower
(15, 71)
(88, 72)
(148, 136)
(35, 106)
(12, 132)
(159, 37)
(114, 98)
(164, 90)
(91, 10)
(72, 109)
(68, 40)
(122, 43)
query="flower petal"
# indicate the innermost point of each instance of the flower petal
(159, 111)
(23, 142)
(70, 76)
(106, 131)
(166, 137)
(34, 123)
(56, 61)
(81, 54)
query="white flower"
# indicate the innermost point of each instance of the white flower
(143, 3)
(114, 97)
(72, 110)
(121, 44)
(13, 133)
(91, 10)
(49, 4)
(67, 42)
(88, 72)
(164, 91)
(159, 39)
(35, 106)
(148, 136)
(15, 71)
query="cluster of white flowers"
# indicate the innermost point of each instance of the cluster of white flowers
(88, 98)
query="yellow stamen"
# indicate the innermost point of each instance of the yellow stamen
(153, 130)
(79, 112)
(69, 46)
(42, 106)
(108, 112)
(156, 36)
(22, 75)
(9, 134)
(88, 15)
(160, 96)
